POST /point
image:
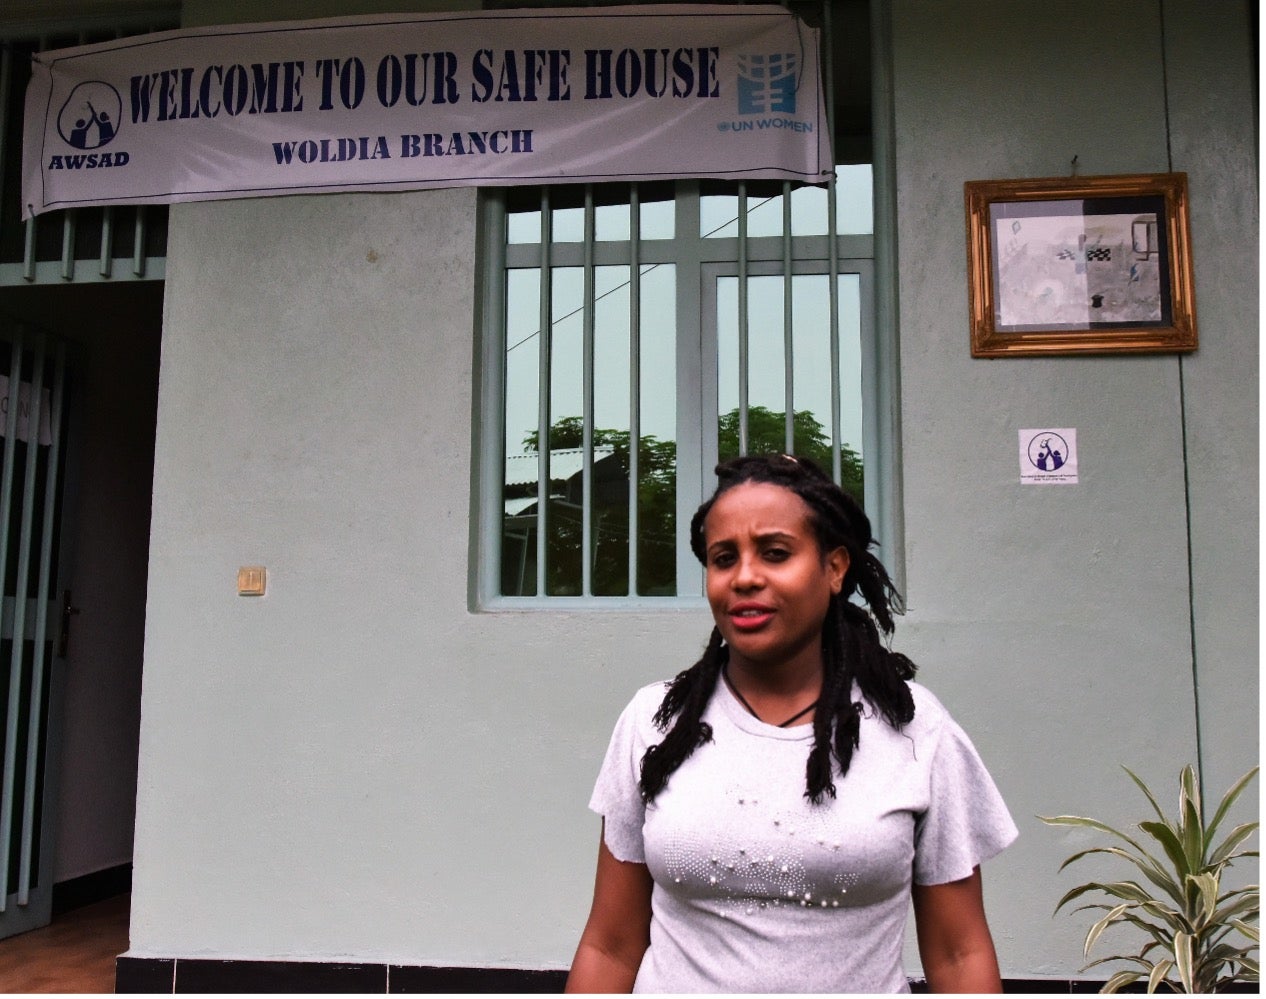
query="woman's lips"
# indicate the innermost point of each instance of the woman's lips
(750, 617)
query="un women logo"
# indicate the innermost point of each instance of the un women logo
(90, 117)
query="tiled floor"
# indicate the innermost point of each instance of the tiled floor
(74, 954)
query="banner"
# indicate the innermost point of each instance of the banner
(402, 102)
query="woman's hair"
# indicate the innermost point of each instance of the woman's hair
(852, 650)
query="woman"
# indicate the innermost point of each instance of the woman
(768, 817)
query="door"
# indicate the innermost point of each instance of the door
(34, 618)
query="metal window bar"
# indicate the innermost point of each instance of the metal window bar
(24, 565)
(6, 86)
(635, 376)
(833, 259)
(742, 316)
(28, 261)
(47, 526)
(25, 634)
(543, 387)
(789, 371)
(8, 790)
(586, 455)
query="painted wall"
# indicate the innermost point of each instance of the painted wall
(1058, 620)
(357, 765)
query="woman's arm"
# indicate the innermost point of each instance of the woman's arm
(954, 940)
(619, 927)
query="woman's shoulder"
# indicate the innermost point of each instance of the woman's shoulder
(929, 713)
(647, 699)
(638, 713)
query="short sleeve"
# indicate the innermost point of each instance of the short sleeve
(966, 822)
(617, 796)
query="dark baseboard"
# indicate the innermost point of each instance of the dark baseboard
(199, 975)
(91, 888)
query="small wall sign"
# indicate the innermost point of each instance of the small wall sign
(1048, 457)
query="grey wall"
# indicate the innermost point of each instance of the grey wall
(1058, 620)
(357, 765)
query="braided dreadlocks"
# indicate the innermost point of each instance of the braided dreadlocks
(852, 650)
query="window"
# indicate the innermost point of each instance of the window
(634, 334)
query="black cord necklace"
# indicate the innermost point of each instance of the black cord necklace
(725, 675)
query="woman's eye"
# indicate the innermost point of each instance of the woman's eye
(777, 554)
(723, 560)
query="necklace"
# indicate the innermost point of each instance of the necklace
(725, 675)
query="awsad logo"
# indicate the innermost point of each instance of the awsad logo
(90, 117)
(767, 83)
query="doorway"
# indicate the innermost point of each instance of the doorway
(112, 332)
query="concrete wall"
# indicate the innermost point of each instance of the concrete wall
(1057, 620)
(357, 765)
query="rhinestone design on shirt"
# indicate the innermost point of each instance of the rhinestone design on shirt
(770, 867)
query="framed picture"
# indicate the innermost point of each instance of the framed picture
(1097, 265)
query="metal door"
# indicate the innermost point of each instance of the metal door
(33, 619)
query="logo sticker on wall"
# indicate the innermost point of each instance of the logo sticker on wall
(1048, 457)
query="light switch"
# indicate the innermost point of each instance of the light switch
(251, 581)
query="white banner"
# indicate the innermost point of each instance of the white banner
(401, 102)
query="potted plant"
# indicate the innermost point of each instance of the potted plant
(1197, 937)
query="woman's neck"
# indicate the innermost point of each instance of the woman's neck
(776, 693)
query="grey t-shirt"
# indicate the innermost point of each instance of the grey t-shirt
(758, 890)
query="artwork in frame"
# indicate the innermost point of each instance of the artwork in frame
(1075, 265)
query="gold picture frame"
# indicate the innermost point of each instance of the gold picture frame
(1080, 265)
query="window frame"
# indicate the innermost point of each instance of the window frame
(880, 366)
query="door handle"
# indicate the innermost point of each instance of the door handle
(63, 641)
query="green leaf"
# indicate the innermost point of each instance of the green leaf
(1120, 980)
(1250, 931)
(1160, 935)
(1248, 902)
(1206, 898)
(1148, 865)
(1183, 959)
(1189, 792)
(1228, 799)
(1078, 820)
(1236, 836)
(1146, 965)
(1174, 919)
(1147, 792)
(1192, 822)
(1159, 974)
(1171, 839)
(1127, 890)
(1096, 931)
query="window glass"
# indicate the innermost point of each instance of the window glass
(564, 515)
(657, 450)
(522, 380)
(609, 530)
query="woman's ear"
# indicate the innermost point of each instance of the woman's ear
(837, 563)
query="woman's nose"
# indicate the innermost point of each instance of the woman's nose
(747, 573)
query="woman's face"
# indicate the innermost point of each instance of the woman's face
(768, 584)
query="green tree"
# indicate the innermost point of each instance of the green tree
(656, 512)
(656, 499)
(767, 433)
